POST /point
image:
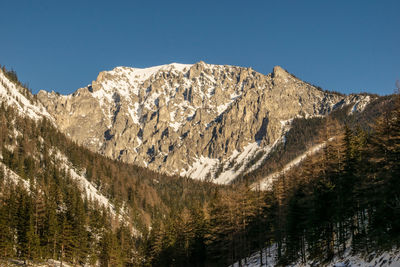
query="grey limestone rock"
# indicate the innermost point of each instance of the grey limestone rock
(187, 119)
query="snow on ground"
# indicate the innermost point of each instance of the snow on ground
(251, 152)
(201, 168)
(223, 107)
(102, 95)
(268, 258)
(134, 113)
(360, 104)
(207, 168)
(175, 125)
(88, 190)
(49, 263)
(151, 99)
(385, 259)
(266, 151)
(13, 177)
(91, 192)
(10, 93)
(237, 163)
(240, 163)
(127, 82)
(130, 78)
(266, 183)
(142, 74)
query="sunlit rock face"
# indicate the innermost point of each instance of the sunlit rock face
(203, 121)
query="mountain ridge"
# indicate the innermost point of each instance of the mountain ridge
(141, 210)
(191, 120)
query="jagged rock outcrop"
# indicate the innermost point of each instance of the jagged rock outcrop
(201, 120)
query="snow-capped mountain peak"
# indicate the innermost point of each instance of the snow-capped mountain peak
(182, 118)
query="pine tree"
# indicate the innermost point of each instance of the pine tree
(109, 250)
(66, 240)
(385, 157)
(7, 242)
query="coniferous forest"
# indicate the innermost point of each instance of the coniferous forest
(345, 196)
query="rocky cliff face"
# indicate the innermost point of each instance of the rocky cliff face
(203, 121)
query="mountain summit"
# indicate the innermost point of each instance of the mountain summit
(316, 155)
(203, 121)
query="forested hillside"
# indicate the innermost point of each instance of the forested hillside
(46, 213)
(345, 196)
(303, 135)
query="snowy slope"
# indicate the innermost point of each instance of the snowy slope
(385, 259)
(266, 183)
(48, 263)
(11, 95)
(14, 178)
(88, 190)
(227, 171)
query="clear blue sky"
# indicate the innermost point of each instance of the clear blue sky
(347, 46)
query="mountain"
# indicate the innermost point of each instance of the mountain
(60, 201)
(203, 121)
(329, 167)
(15, 96)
